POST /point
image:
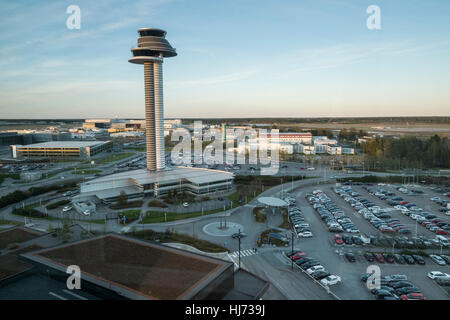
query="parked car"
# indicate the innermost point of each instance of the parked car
(338, 239)
(379, 257)
(437, 259)
(437, 274)
(350, 257)
(400, 284)
(419, 259)
(389, 258)
(412, 296)
(319, 275)
(369, 257)
(409, 259)
(396, 277)
(399, 259)
(331, 280)
(407, 290)
(315, 269)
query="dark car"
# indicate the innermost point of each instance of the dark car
(383, 294)
(319, 275)
(390, 258)
(419, 259)
(347, 239)
(409, 259)
(400, 284)
(399, 259)
(369, 257)
(309, 264)
(406, 290)
(356, 240)
(385, 288)
(304, 260)
(350, 257)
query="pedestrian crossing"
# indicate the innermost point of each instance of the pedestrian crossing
(244, 253)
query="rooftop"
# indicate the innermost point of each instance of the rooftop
(136, 269)
(174, 174)
(63, 144)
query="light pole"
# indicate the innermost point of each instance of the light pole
(239, 240)
(292, 250)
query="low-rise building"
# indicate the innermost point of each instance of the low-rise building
(61, 149)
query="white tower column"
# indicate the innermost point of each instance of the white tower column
(159, 116)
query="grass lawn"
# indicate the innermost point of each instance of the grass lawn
(3, 221)
(259, 215)
(14, 176)
(285, 224)
(114, 157)
(131, 215)
(158, 216)
(128, 204)
(202, 245)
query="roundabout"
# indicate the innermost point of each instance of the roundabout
(222, 229)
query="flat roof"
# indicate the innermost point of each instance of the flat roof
(272, 201)
(134, 268)
(63, 144)
(174, 174)
(17, 235)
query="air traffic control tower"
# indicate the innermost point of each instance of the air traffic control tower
(152, 48)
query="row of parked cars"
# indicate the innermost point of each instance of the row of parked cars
(426, 219)
(299, 224)
(313, 267)
(330, 213)
(443, 203)
(393, 287)
(377, 216)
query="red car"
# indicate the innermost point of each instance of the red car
(338, 239)
(404, 202)
(298, 255)
(425, 223)
(379, 257)
(441, 232)
(412, 296)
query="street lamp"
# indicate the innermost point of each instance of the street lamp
(239, 240)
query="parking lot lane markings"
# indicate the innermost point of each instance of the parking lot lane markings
(56, 295)
(74, 294)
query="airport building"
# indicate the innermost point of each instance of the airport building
(61, 149)
(156, 179)
(138, 183)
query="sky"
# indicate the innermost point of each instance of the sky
(236, 58)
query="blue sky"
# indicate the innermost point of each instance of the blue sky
(236, 58)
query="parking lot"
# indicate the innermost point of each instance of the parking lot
(322, 248)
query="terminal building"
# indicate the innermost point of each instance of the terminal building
(61, 149)
(139, 183)
(157, 179)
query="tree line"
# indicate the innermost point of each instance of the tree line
(408, 152)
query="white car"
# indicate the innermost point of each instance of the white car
(87, 212)
(437, 259)
(315, 268)
(330, 280)
(437, 274)
(185, 204)
(66, 208)
(305, 234)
